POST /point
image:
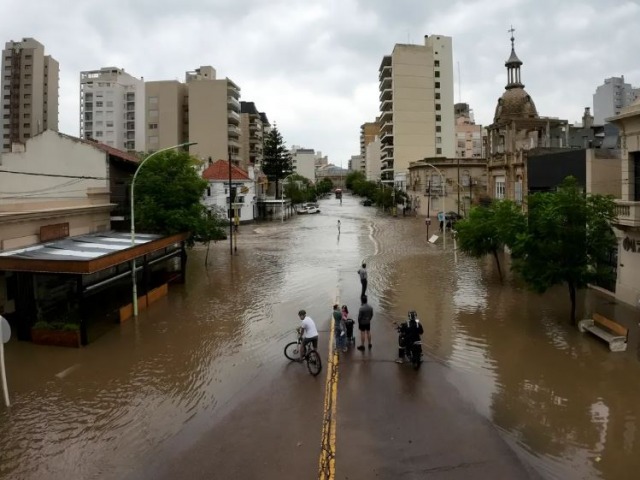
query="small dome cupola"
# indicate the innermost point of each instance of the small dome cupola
(513, 67)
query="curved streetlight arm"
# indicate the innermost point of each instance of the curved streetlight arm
(444, 214)
(133, 223)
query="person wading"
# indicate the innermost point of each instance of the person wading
(363, 279)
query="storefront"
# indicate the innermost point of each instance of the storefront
(86, 281)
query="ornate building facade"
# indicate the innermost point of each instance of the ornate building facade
(516, 130)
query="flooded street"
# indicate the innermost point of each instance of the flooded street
(153, 387)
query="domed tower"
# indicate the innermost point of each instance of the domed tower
(515, 102)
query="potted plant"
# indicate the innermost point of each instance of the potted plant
(63, 334)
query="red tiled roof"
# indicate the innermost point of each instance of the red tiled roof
(220, 171)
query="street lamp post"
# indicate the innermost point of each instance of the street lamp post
(444, 214)
(133, 223)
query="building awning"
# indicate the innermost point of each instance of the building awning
(84, 254)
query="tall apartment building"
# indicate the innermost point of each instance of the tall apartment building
(416, 106)
(204, 110)
(167, 120)
(368, 132)
(372, 162)
(303, 161)
(468, 134)
(29, 91)
(610, 97)
(251, 136)
(112, 108)
(214, 115)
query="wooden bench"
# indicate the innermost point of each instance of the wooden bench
(611, 332)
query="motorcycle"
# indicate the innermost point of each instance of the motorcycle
(413, 351)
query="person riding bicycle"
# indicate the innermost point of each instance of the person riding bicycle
(308, 331)
(410, 332)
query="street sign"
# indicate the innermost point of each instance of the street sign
(6, 329)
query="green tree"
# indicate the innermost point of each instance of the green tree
(323, 187)
(566, 240)
(276, 163)
(487, 230)
(298, 189)
(168, 194)
(354, 177)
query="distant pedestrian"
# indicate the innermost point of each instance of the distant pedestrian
(363, 279)
(365, 314)
(338, 226)
(339, 329)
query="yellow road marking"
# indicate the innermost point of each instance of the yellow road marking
(327, 463)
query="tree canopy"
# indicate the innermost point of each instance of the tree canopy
(168, 194)
(488, 229)
(567, 239)
(277, 163)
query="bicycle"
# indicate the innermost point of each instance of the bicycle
(311, 357)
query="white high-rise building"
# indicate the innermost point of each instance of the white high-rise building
(416, 106)
(611, 97)
(112, 108)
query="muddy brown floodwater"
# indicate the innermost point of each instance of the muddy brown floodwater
(563, 402)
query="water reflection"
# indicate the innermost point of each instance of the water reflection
(566, 403)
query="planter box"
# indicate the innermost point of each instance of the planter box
(60, 338)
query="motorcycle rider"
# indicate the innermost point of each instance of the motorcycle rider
(410, 332)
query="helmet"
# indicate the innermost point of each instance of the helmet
(413, 315)
(302, 313)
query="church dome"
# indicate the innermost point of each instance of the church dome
(515, 103)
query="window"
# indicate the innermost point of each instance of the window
(438, 128)
(438, 151)
(437, 73)
(500, 187)
(99, 123)
(109, 103)
(438, 140)
(26, 125)
(437, 106)
(460, 143)
(438, 118)
(153, 126)
(109, 123)
(437, 84)
(98, 104)
(153, 101)
(98, 133)
(518, 191)
(153, 140)
(437, 95)
(27, 96)
(153, 113)
(436, 63)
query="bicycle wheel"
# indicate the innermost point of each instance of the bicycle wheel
(314, 364)
(292, 351)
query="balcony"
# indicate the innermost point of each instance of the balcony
(435, 190)
(386, 105)
(234, 131)
(387, 126)
(233, 143)
(385, 94)
(385, 72)
(233, 117)
(387, 137)
(385, 83)
(233, 104)
(628, 214)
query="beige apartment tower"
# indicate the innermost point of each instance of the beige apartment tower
(167, 122)
(214, 116)
(29, 91)
(416, 106)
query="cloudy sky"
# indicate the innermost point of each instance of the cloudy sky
(312, 66)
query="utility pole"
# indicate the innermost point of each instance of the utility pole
(458, 181)
(230, 212)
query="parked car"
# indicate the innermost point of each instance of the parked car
(367, 202)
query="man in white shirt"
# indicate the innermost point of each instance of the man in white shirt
(309, 332)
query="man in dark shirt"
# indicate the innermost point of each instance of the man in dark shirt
(365, 314)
